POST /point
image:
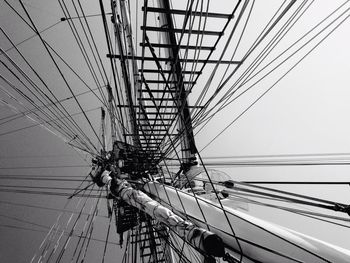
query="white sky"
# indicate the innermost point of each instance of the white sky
(307, 112)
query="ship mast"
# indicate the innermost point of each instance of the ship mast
(185, 124)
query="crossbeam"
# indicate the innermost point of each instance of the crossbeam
(188, 60)
(184, 12)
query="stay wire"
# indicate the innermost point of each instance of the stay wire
(195, 197)
(268, 48)
(43, 231)
(260, 227)
(94, 43)
(29, 206)
(24, 113)
(260, 38)
(32, 36)
(161, 119)
(90, 229)
(57, 219)
(174, 244)
(218, 39)
(127, 84)
(68, 132)
(31, 101)
(162, 74)
(21, 187)
(26, 98)
(35, 72)
(180, 111)
(98, 62)
(282, 195)
(280, 54)
(298, 211)
(53, 50)
(47, 122)
(23, 221)
(82, 235)
(107, 236)
(158, 111)
(199, 41)
(288, 193)
(44, 193)
(82, 48)
(264, 93)
(206, 89)
(61, 73)
(181, 101)
(190, 20)
(116, 79)
(66, 242)
(109, 46)
(290, 156)
(144, 38)
(222, 207)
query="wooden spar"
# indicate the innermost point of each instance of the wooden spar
(202, 239)
(129, 88)
(111, 115)
(258, 239)
(188, 143)
(103, 127)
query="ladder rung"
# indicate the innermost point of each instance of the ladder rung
(154, 135)
(166, 81)
(143, 240)
(155, 127)
(150, 254)
(155, 99)
(184, 12)
(161, 106)
(171, 90)
(188, 60)
(157, 45)
(184, 31)
(143, 139)
(169, 71)
(154, 130)
(143, 247)
(158, 119)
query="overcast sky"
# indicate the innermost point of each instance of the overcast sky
(306, 112)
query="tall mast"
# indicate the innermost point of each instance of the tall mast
(185, 125)
(103, 128)
(111, 114)
(130, 89)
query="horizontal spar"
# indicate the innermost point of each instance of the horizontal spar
(180, 30)
(159, 45)
(259, 239)
(159, 106)
(210, 61)
(157, 71)
(185, 12)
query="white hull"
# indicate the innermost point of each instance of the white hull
(260, 241)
